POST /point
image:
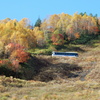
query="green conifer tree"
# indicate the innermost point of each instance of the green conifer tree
(38, 23)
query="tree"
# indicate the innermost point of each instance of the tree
(25, 22)
(39, 36)
(38, 23)
(57, 38)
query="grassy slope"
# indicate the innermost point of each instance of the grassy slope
(84, 86)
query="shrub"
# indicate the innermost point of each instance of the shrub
(8, 69)
(19, 55)
(85, 38)
(15, 54)
(43, 52)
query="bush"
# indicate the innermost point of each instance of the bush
(42, 52)
(19, 70)
(85, 39)
(5, 70)
(15, 57)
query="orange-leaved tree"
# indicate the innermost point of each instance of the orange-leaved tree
(57, 38)
(19, 55)
(16, 54)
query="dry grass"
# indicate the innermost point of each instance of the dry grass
(85, 66)
(80, 81)
(64, 90)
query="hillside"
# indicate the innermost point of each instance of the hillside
(83, 67)
(63, 77)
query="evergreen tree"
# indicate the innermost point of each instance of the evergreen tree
(38, 23)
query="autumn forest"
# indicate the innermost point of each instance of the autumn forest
(56, 31)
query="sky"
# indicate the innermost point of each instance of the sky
(34, 9)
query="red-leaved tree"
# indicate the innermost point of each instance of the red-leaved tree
(16, 54)
(57, 39)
